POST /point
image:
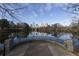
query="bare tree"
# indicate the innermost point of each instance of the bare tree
(7, 10)
(71, 8)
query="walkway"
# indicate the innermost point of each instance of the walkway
(39, 48)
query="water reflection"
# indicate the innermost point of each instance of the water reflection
(65, 36)
(11, 39)
(37, 34)
(17, 38)
(21, 37)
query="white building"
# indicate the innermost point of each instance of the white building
(38, 25)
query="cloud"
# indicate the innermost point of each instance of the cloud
(31, 17)
(34, 14)
(51, 15)
(41, 11)
(58, 4)
(48, 6)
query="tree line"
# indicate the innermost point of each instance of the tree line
(57, 28)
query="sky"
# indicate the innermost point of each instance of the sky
(38, 13)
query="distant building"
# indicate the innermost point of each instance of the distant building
(34, 25)
(58, 25)
(39, 25)
(44, 25)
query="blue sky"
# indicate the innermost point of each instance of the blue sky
(41, 13)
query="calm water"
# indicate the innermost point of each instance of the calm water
(17, 39)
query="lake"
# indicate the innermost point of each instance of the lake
(15, 39)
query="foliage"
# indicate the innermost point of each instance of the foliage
(4, 23)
